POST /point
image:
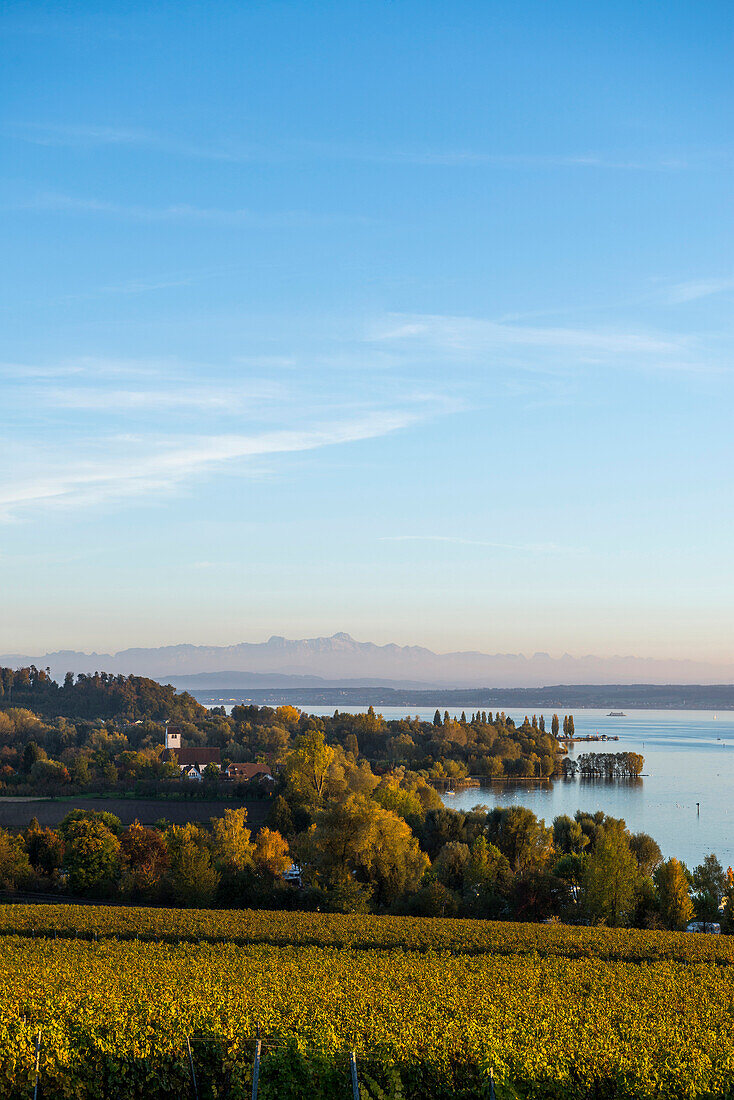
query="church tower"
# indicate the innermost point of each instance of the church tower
(173, 737)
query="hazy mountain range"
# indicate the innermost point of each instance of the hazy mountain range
(282, 662)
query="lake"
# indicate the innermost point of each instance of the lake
(689, 759)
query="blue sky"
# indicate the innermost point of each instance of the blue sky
(407, 319)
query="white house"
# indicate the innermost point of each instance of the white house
(191, 772)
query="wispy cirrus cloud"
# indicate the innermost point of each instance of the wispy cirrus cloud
(140, 467)
(236, 151)
(91, 367)
(91, 135)
(691, 291)
(425, 156)
(477, 334)
(538, 348)
(175, 212)
(456, 540)
(195, 397)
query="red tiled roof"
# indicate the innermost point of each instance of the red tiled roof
(247, 771)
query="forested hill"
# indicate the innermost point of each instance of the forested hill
(98, 695)
(558, 697)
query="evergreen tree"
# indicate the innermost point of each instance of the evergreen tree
(31, 754)
(554, 725)
(437, 718)
(541, 724)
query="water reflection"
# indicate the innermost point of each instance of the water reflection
(689, 759)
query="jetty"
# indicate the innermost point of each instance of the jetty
(589, 737)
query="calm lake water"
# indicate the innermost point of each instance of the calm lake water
(689, 758)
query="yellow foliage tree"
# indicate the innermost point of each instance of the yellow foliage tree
(271, 852)
(232, 850)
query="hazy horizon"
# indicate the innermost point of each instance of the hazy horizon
(341, 659)
(412, 322)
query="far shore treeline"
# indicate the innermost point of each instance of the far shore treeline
(354, 820)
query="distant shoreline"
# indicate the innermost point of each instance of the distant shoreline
(716, 697)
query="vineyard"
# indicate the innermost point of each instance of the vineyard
(119, 996)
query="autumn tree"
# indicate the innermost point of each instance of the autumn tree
(709, 885)
(439, 827)
(487, 878)
(522, 837)
(45, 849)
(287, 716)
(351, 744)
(91, 857)
(280, 817)
(15, 868)
(647, 852)
(450, 864)
(487, 866)
(309, 768)
(612, 877)
(231, 848)
(272, 855)
(358, 838)
(144, 860)
(674, 900)
(727, 916)
(191, 879)
(571, 869)
(568, 836)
